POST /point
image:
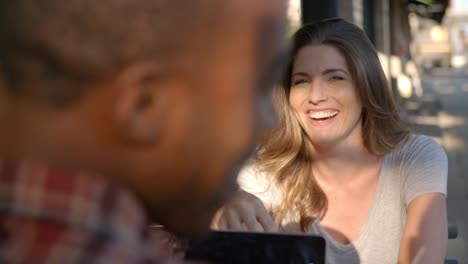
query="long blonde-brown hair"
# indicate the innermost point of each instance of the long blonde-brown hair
(285, 153)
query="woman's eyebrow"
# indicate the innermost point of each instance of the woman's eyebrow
(333, 70)
(300, 74)
(326, 71)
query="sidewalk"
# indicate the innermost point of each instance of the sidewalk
(441, 115)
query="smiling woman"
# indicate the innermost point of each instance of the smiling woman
(323, 95)
(341, 164)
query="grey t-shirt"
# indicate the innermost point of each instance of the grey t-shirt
(416, 168)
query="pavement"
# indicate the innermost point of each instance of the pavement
(442, 113)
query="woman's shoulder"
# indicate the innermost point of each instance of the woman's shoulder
(252, 177)
(421, 139)
(256, 181)
(419, 147)
(421, 165)
(251, 171)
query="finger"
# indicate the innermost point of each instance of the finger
(264, 218)
(252, 224)
(216, 219)
(244, 227)
(267, 221)
(233, 220)
(176, 261)
(222, 224)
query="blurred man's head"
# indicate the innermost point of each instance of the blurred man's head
(161, 96)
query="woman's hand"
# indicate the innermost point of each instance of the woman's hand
(245, 212)
(167, 245)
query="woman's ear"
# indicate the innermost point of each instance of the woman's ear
(141, 107)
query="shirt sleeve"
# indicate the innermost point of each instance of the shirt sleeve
(257, 183)
(424, 168)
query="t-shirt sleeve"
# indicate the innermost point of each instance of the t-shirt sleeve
(257, 183)
(424, 168)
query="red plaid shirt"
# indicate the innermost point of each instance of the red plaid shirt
(53, 216)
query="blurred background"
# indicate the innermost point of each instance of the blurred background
(423, 48)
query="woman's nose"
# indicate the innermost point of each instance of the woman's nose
(317, 92)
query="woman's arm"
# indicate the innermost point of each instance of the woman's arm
(425, 235)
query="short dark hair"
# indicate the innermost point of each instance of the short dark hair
(56, 45)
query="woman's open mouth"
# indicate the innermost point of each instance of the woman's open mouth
(322, 118)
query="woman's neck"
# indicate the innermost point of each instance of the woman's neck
(344, 162)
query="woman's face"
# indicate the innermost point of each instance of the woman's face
(324, 97)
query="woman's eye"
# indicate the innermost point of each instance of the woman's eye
(298, 82)
(336, 78)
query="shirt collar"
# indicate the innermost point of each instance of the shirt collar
(80, 200)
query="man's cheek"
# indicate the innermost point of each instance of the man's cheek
(267, 117)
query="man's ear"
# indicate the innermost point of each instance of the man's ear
(142, 104)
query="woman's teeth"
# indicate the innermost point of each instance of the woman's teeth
(323, 115)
